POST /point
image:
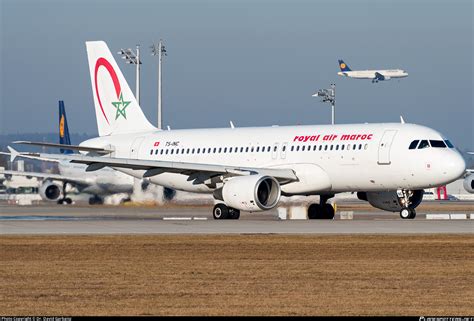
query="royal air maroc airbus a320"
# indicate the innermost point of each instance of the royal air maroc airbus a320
(248, 169)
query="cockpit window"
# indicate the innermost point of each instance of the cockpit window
(423, 144)
(449, 144)
(437, 144)
(413, 144)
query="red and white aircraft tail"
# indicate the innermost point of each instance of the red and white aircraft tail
(116, 108)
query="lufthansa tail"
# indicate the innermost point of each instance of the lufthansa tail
(64, 138)
(343, 66)
(116, 108)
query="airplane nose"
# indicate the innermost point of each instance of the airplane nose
(455, 166)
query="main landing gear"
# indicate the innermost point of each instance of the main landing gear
(64, 200)
(96, 200)
(323, 210)
(407, 212)
(223, 212)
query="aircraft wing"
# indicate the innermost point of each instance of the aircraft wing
(196, 172)
(55, 177)
(97, 150)
(14, 154)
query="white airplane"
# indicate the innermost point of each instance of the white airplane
(375, 75)
(248, 169)
(54, 187)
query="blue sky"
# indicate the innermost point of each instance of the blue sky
(252, 62)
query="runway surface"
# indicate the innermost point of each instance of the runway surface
(51, 219)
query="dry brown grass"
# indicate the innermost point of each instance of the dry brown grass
(237, 275)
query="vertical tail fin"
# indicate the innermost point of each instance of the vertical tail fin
(343, 66)
(116, 108)
(64, 137)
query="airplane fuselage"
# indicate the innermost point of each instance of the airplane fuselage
(326, 159)
(102, 182)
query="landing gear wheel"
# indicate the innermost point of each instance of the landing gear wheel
(407, 213)
(220, 212)
(60, 202)
(320, 212)
(314, 211)
(328, 211)
(68, 201)
(233, 214)
(96, 200)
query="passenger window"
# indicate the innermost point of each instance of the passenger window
(241, 149)
(187, 151)
(269, 148)
(284, 148)
(258, 148)
(225, 150)
(423, 144)
(314, 147)
(161, 152)
(166, 152)
(302, 148)
(151, 151)
(437, 144)
(177, 151)
(320, 147)
(366, 146)
(342, 147)
(450, 145)
(246, 149)
(337, 147)
(198, 151)
(354, 147)
(220, 150)
(326, 147)
(413, 144)
(292, 148)
(297, 148)
(251, 149)
(360, 146)
(331, 147)
(192, 151)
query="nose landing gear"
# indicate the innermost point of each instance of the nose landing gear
(407, 212)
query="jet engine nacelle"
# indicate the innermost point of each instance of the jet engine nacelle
(50, 191)
(250, 193)
(469, 183)
(389, 201)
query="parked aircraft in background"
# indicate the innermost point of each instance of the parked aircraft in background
(375, 75)
(248, 169)
(54, 187)
(469, 179)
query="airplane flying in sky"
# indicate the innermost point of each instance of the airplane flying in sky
(375, 75)
(387, 164)
(54, 187)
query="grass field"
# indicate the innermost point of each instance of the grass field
(237, 275)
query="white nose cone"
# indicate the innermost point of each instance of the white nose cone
(454, 167)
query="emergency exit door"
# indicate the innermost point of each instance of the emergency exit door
(385, 145)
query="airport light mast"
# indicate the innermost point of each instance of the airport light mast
(160, 51)
(133, 59)
(329, 96)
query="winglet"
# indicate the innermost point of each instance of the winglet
(402, 120)
(13, 153)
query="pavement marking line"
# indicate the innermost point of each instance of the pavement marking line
(437, 216)
(177, 218)
(458, 216)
